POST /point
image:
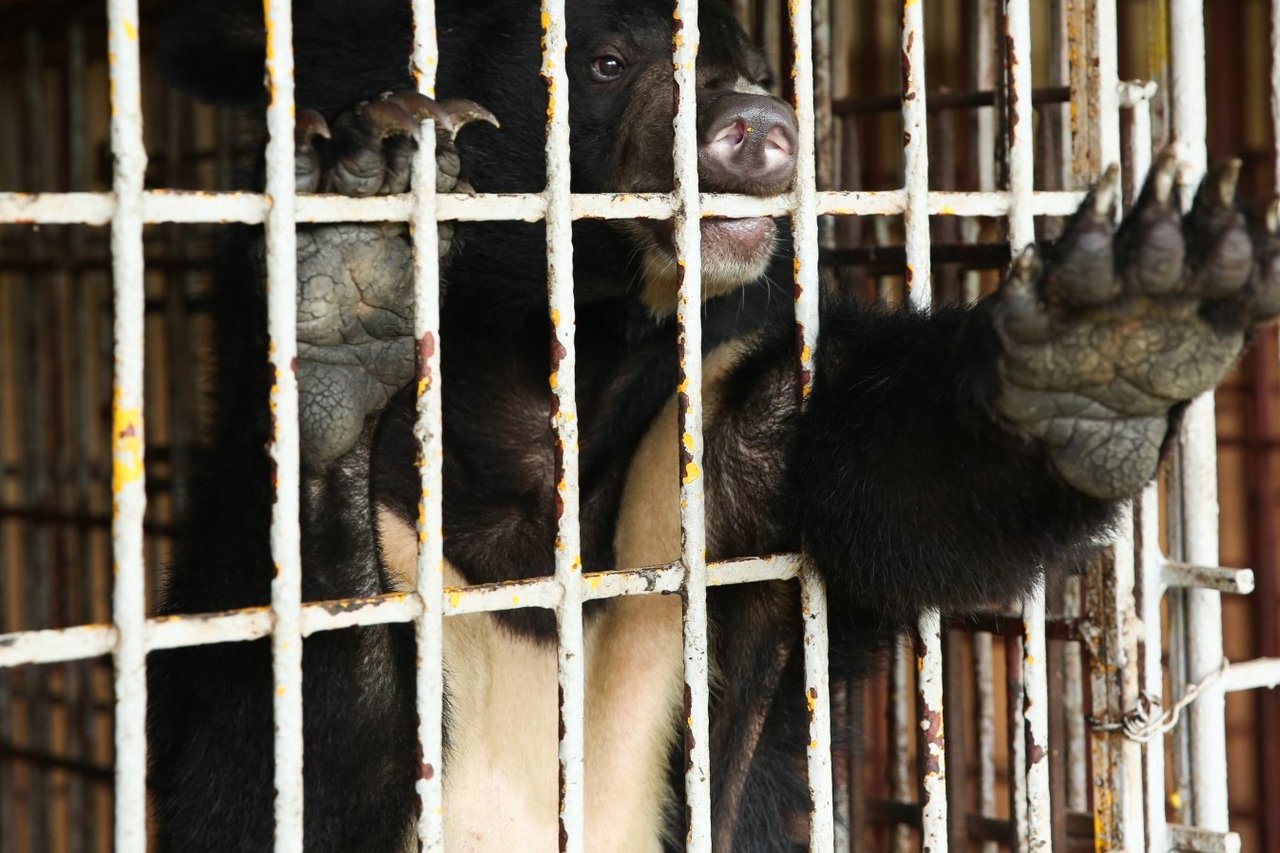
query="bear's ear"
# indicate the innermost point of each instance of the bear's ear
(344, 50)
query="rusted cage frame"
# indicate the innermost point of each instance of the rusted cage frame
(130, 635)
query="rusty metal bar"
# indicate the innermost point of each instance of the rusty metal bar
(164, 206)
(570, 654)
(813, 595)
(282, 281)
(693, 551)
(428, 431)
(933, 800)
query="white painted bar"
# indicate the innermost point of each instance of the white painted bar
(428, 432)
(1198, 444)
(282, 282)
(693, 549)
(128, 479)
(570, 653)
(813, 596)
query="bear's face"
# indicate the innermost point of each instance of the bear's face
(622, 104)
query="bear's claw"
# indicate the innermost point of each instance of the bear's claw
(355, 285)
(1117, 327)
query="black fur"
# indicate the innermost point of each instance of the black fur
(896, 481)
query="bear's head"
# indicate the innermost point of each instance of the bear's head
(621, 109)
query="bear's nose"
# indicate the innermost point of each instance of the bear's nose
(747, 144)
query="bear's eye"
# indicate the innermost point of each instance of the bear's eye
(607, 67)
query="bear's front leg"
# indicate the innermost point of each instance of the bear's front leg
(1109, 336)
(355, 280)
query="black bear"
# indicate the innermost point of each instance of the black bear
(940, 461)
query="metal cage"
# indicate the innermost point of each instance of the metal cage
(1082, 770)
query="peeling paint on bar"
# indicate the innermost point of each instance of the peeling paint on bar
(813, 596)
(693, 556)
(1116, 761)
(933, 802)
(915, 143)
(1032, 768)
(252, 623)
(128, 487)
(428, 432)
(568, 560)
(1035, 712)
(282, 282)
(164, 206)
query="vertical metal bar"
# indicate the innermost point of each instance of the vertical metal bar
(1076, 749)
(1017, 741)
(568, 559)
(919, 286)
(1035, 714)
(813, 596)
(1034, 719)
(1150, 589)
(915, 142)
(933, 802)
(985, 703)
(282, 281)
(127, 443)
(1198, 445)
(1021, 140)
(901, 712)
(1105, 35)
(693, 550)
(429, 433)
(955, 675)
(1116, 760)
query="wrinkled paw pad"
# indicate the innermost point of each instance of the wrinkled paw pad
(1116, 326)
(368, 149)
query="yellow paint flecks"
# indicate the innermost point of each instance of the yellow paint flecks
(280, 690)
(687, 441)
(555, 380)
(806, 353)
(126, 451)
(594, 582)
(455, 598)
(691, 473)
(546, 21)
(947, 210)
(130, 30)
(809, 701)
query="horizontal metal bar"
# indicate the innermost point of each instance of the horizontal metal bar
(251, 623)
(1179, 574)
(1252, 675)
(172, 206)
(51, 646)
(1193, 839)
